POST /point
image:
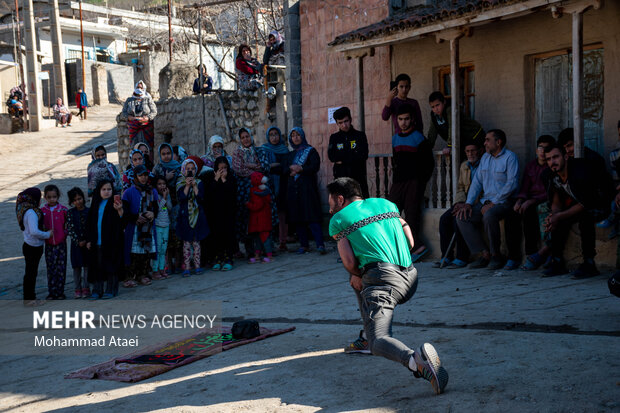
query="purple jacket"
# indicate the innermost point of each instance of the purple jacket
(533, 186)
(393, 108)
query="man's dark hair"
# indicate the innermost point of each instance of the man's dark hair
(499, 134)
(567, 135)
(436, 95)
(406, 108)
(349, 188)
(402, 77)
(342, 113)
(556, 145)
(73, 192)
(545, 139)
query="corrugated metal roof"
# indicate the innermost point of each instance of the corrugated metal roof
(419, 16)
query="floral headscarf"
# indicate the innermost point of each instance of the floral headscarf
(192, 201)
(27, 200)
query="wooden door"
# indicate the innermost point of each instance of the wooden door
(554, 102)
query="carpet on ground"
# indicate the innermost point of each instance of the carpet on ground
(158, 359)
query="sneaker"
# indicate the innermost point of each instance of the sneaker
(107, 296)
(85, 292)
(496, 263)
(429, 367)
(456, 264)
(479, 263)
(199, 270)
(556, 267)
(186, 273)
(267, 260)
(216, 267)
(322, 250)
(254, 260)
(586, 270)
(78, 293)
(302, 250)
(94, 296)
(227, 267)
(358, 346)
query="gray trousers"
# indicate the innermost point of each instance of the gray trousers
(385, 286)
(490, 221)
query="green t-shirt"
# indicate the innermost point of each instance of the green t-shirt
(381, 241)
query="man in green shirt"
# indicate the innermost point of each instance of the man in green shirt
(374, 243)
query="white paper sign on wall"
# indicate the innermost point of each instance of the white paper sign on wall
(330, 114)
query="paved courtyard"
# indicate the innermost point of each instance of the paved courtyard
(511, 341)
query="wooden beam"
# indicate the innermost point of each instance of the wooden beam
(411, 34)
(578, 82)
(361, 112)
(455, 86)
(354, 54)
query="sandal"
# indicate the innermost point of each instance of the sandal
(145, 281)
(130, 284)
(157, 276)
(532, 262)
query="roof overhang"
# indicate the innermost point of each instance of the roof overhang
(381, 37)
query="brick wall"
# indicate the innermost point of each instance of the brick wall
(329, 80)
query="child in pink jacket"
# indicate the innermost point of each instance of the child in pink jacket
(55, 219)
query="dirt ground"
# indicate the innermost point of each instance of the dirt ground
(511, 341)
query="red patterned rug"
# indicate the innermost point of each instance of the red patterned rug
(161, 358)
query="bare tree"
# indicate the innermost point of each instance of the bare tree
(232, 24)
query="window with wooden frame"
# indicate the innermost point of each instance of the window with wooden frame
(468, 91)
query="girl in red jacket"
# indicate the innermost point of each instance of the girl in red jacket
(55, 219)
(259, 223)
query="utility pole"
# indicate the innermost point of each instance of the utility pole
(59, 61)
(19, 44)
(201, 76)
(170, 30)
(34, 106)
(82, 42)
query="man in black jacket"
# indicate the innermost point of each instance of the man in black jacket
(579, 191)
(348, 150)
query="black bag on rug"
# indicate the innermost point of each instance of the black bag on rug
(614, 284)
(245, 329)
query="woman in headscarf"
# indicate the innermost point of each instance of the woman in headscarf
(247, 69)
(214, 151)
(139, 111)
(168, 167)
(276, 152)
(192, 224)
(136, 158)
(245, 160)
(62, 113)
(303, 201)
(140, 206)
(274, 52)
(146, 152)
(30, 220)
(100, 169)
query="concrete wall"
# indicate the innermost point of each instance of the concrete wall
(72, 45)
(120, 80)
(504, 74)
(328, 79)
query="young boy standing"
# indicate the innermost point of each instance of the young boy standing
(348, 150)
(412, 168)
(397, 98)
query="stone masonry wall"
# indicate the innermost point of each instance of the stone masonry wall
(179, 122)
